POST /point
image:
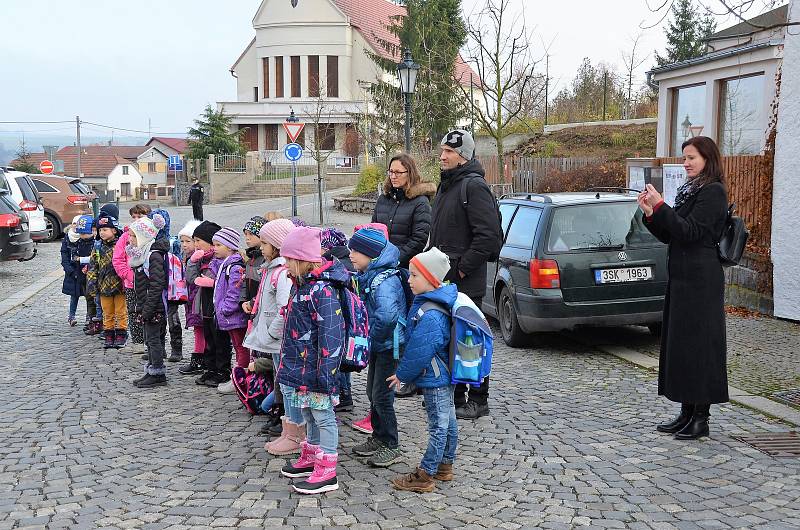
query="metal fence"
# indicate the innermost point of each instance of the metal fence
(230, 164)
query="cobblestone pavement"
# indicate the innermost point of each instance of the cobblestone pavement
(16, 275)
(570, 443)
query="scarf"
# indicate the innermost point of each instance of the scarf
(73, 235)
(137, 255)
(687, 190)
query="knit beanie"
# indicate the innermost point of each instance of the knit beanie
(297, 221)
(369, 242)
(377, 226)
(84, 224)
(332, 237)
(144, 230)
(303, 243)
(254, 224)
(163, 226)
(109, 210)
(205, 231)
(106, 221)
(229, 237)
(189, 228)
(461, 142)
(433, 265)
(275, 232)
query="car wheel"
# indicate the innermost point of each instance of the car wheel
(53, 230)
(655, 329)
(509, 325)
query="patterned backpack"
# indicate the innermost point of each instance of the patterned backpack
(251, 388)
(356, 355)
(177, 290)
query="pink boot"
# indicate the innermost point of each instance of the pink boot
(289, 441)
(305, 465)
(364, 425)
(323, 478)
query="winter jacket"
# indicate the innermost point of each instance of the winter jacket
(428, 339)
(385, 301)
(102, 278)
(314, 337)
(227, 291)
(196, 193)
(120, 260)
(193, 317)
(74, 283)
(469, 236)
(342, 253)
(407, 215)
(266, 329)
(203, 302)
(150, 288)
(252, 273)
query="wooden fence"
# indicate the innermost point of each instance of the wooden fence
(524, 172)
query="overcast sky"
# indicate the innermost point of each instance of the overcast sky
(124, 63)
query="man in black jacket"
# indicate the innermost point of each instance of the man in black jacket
(470, 234)
(196, 193)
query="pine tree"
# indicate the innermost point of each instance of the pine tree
(23, 160)
(686, 33)
(212, 136)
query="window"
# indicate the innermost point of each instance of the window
(610, 226)
(27, 188)
(688, 110)
(125, 189)
(265, 64)
(151, 167)
(255, 93)
(507, 212)
(313, 76)
(295, 76)
(327, 136)
(333, 76)
(44, 187)
(272, 137)
(523, 230)
(278, 77)
(124, 170)
(741, 124)
(79, 187)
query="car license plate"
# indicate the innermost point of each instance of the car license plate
(623, 275)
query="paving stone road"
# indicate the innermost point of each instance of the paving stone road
(570, 444)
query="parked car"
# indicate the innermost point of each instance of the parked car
(575, 259)
(25, 195)
(64, 198)
(15, 240)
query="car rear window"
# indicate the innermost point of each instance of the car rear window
(44, 187)
(28, 192)
(3, 182)
(6, 206)
(79, 187)
(604, 226)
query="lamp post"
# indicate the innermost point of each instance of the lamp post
(293, 119)
(685, 127)
(407, 73)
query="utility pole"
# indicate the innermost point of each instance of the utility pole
(605, 85)
(78, 125)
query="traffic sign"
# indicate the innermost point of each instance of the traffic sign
(46, 167)
(175, 163)
(293, 152)
(293, 129)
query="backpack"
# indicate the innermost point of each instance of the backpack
(733, 240)
(402, 275)
(251, 388)
(177, 290)
(495, 255)
(356, 355)
(471, 341)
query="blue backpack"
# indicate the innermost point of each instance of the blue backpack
(356, 355)
(471, 341)
(402, 275)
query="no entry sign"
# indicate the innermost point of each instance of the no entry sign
(46, 167)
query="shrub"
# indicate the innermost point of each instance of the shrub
(371, 176)
(609, 174)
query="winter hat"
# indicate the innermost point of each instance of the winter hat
(144, 230)
(368, 241)
(109, 210)
(303, 243)
(84, 224)
(332, 237)
(75, 220)
(205, 231)
(189, 228)
(433, 265)
(461, 142)
(163, 229)
(275, 232)
(377, 226)
(297, 221)
(106, 221)
(229, 237)
(254, 224)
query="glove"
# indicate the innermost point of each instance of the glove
(197, 255)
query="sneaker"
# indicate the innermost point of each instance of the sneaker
(72, 322)
(472, 411)
(345, 404)
(323, 479)
(304, 465)
(368, 448)
(194, 366)
(150, 381)
(364, 425)
(418, 482)
(216, 379)
(208, 374)
(225, 388)
(145, 356)
(175, 357)
(108, 338)
(120, 338)
(385, 457)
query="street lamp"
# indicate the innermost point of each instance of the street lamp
(292, 118)
(407, 73)
(685, 127)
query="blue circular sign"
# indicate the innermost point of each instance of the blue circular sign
(293, 152)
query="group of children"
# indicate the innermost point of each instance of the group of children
(279, 305)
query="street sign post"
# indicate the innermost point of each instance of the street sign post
(293, 129)
(175, 164)
(293, 152)
(46, 167)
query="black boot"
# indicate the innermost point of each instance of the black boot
(687, 409)
(120, 338)
(345, 403)
(697, 426)
(109, 335)
(195, 366)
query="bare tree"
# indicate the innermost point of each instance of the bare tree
(319, 116)
(632, 62)
(498, 45)
(738, 9)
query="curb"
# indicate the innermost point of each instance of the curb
(27, 293)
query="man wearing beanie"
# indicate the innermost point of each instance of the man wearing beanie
(470, 234)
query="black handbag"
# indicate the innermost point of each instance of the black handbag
(733, 239)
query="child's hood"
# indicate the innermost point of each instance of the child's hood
(161, 244)
(445, 295)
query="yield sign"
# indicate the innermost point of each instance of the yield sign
(293, 129)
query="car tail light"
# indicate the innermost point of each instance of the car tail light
(544, 274)
(28, 206)
(78, 199)
(9, 220)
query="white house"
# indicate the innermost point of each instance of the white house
(725, 94)
(316, 48)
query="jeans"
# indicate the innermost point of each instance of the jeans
(155, 335)
(73, 305)
(442, 428)
(276, 359)
(174, 326)
(268, 402)
(384, 422)
(293, 414)
(344, 384)
(321, 429)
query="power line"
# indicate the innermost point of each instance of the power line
(34, 122)
(127, 130)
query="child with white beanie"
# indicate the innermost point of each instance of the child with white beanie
(193, 318)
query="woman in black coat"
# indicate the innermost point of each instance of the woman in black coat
(692, 366)
(405, 207)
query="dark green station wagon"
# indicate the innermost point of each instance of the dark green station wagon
(575, 259)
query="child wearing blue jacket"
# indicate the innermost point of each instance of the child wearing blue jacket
(425, 363)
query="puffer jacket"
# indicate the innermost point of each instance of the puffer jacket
(407, 215)
(252, 273)
(193, 317)
(74, 283)
(102, 278)
(120, 260)
(385, 301)
(227, 292)
(203, 302)
(427, 340)
(314, 336)
(266, 329)
(150, 288)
